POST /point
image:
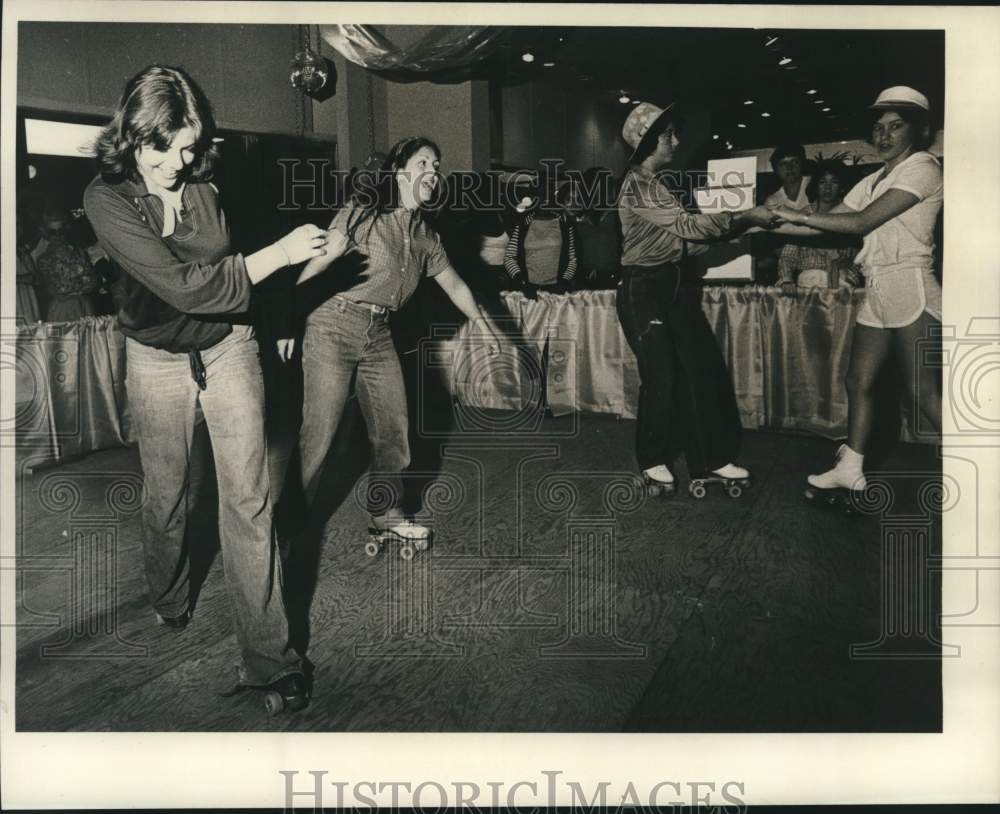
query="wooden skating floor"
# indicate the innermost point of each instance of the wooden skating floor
(556, 597)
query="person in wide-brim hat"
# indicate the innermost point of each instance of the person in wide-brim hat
(644, 125)
(677, 412)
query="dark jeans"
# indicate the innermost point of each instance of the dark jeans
(343, 340)
(163, 399)
(686, 399)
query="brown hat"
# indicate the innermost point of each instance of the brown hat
(644, 123)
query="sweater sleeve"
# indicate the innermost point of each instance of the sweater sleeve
(222, 287)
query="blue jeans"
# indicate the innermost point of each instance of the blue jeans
(343, 339)
(163, 399)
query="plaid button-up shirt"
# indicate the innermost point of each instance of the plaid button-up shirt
(399, 248)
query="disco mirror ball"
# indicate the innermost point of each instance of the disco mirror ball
(309, 72)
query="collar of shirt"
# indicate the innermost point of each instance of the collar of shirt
(139, 189)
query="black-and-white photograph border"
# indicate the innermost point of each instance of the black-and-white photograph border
(479, 405)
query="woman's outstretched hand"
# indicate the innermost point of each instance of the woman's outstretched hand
(303, 243)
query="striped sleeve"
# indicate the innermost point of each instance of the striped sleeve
(513, 251)
(570, 272)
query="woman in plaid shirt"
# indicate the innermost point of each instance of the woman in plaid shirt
(823, 261)
(347, 337)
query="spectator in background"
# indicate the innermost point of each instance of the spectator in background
(492, 226)
(28, 311)
(541, 251)
(787, 161)
(591, 202)
(65, 269)
(825, 261)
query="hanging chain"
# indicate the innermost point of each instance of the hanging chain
(371, 112)
(300, 115)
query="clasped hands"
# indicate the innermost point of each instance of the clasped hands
(783, 214)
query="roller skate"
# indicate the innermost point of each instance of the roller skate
(734, 479)
(174, 622)
(658, 481)
(841, 487)
(410, 537)
(289, 693)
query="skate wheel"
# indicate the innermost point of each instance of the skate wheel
(735, 490)
(698, 491)
(406, 552)
(372, 548)
(421, 545)
(274, 703)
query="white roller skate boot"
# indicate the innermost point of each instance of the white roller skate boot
(658, 481)
(410, 537)
(840, 486)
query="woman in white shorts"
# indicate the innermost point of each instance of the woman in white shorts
(896, 210)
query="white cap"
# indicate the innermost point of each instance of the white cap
(901, 96)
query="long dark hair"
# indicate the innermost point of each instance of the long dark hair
(156, 104)
(827, 166)
(377, 192)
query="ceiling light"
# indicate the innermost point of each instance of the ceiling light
(624, 99)
(748, 102)
(549, 64)
(765, 115)
(811, 91)
(818, 102)
(843, 142)
(826, 110)
(784, 60)
(770, 42)
(715, 137)
(635, 101)
(742, 125)
(528, 56)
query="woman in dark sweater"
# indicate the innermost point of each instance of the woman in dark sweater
(158, 217)
(541, 251)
